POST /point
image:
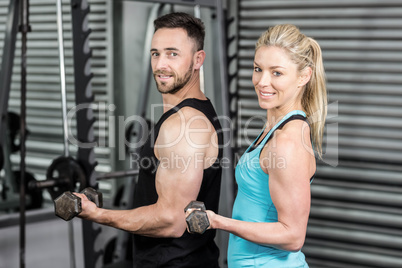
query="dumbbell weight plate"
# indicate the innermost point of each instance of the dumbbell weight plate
(197, 222)
(195, 205)
(67, 206)
(69, 172)
(94, 196)
(36, 197)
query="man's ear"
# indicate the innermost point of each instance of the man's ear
(199, 58)
(305, 76)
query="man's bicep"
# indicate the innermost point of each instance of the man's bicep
(181, 167)
(179, 175)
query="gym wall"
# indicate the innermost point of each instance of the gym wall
(356, 210)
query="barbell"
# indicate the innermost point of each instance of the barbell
(67, 174)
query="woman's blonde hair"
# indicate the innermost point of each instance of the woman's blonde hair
(305, 52)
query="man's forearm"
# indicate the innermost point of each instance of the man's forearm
(147, 221)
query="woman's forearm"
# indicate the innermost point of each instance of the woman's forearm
(275, 234)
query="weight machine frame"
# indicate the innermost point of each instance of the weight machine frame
(18, 10)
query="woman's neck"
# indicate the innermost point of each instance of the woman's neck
(276, 114)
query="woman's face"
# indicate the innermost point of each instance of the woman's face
(276, 80)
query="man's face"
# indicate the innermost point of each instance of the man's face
(172, 63)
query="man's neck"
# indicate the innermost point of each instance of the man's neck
(189, 91)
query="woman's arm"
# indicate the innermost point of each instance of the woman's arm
(290, 192)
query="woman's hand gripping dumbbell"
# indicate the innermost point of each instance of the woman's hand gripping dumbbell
(196, 217)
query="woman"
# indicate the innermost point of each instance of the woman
(272, 206)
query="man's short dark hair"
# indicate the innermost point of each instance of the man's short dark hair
(194, 27)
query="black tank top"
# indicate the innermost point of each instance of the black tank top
(190, 250)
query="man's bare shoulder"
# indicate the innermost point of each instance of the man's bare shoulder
(187, 128)
(186, 118)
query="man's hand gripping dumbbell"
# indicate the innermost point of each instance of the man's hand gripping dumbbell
(68, 205)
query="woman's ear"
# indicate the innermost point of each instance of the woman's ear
(199, 58)
(305, 76)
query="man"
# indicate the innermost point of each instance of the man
(186, 144)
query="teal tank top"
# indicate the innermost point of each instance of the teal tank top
(254, 204)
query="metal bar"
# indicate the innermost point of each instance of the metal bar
(197, 14)
(71, 243)
(203, 3)
(5, 81)
(8, 61)
(64, 114)
(24, 28)
(32, 216)
(227, 149)
(118, 174)
(48, 183)
(62, 75)
(65, 181)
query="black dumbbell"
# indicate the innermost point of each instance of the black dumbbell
(197, 220)
(68, 205)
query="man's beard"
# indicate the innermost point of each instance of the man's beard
(177, 85)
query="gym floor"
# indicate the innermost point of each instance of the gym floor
(47, 243)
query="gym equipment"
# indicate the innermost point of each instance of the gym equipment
(64, 174)
(197, 221)
(11, 186)
(14, 124)
(74, 172)
(68, 205)
(24, 28)
(35, 195)
(1, 157)
(18, 11)
(67, 174)
(82, 54)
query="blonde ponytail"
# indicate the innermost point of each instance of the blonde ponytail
(314, 99)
